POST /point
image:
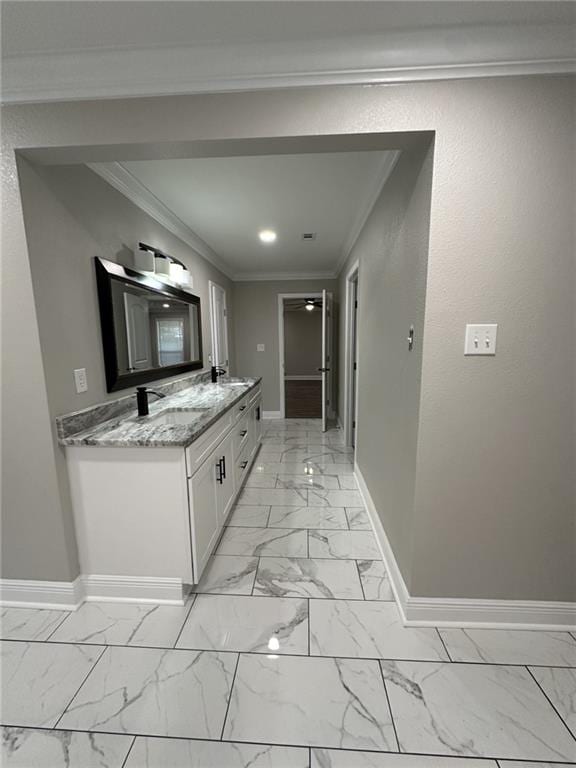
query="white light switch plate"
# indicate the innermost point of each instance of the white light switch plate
(260, 347)
(81, 380)
(480, 339)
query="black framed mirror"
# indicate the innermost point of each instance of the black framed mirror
(150, 330)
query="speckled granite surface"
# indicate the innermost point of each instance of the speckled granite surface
(127, 429)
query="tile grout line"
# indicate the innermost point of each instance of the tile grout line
(550, 700)
(389, 707)
(92, 668)
(309, 626)
(229, 697)
(376, 752)
(444, 644)
(192, 603)
(67, 616)
(361, 582)
(300, 655)
(125, 761)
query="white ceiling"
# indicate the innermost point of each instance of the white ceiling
(225, 202)
(85, 49)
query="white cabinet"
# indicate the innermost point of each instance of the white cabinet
(149, 518)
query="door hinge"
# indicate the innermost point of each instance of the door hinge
(353, 425)
(355, 305)
(355, 366)
(225, 312)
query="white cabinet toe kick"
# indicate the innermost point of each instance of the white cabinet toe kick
(148, 519)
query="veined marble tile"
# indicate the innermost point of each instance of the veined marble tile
(356, 545)
(560, 687)
(155, 692)
(251, 624)
(499, 646)
(320, 455)
(304, 701)
(305, 577)
(271, 542)
(300, 468)
(375, 581)
(332, 758)
(179, 753)
(474, 710)
(269, 455)
(348, 482)
(346, 460)
(308, 517)
(358, 519)
(259, 480)
(31, 748)
(371, 630)
(29, 623)
(39, 679)
(272, 496)
(524, 764)
(307, 482)
(248, 516)
(123, 624)
(335, 499)
(228, 575)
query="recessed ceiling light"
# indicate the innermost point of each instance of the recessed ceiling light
(267, 235)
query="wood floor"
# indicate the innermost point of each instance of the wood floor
(303, 399)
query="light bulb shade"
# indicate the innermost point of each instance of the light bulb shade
(176, 272)
(144, 260)
(161, 265)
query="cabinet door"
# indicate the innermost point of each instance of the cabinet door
(227, 487)
(257, 422)
(204, 518)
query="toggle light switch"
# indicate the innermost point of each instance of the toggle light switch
(480, 339)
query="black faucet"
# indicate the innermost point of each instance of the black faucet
(216, 371)
(142, 399)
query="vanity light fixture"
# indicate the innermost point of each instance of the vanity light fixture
(267, 235)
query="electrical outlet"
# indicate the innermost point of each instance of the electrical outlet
(260, 347)
(81, 380)
(480, 339)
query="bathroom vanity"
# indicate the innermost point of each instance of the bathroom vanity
(151, 494)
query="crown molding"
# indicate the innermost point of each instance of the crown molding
(128, 185)
(246, 277)
(386, 167)
(185, 70)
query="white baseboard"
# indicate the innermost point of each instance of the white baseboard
(271, 414)
(69, 595)
(133, 589)
(24, 593)
(463, 612)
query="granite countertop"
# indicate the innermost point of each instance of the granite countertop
(130, 430)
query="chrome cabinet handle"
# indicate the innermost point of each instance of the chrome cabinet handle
(244, 433)
(223, 461)
(244, 465)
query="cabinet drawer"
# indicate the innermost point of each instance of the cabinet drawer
(240, 408)
(241, 434)
(254, 395)
(199, 451)
(241, 467)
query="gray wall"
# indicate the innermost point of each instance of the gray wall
(256, 321)
(494, 491)
(392, 251)
(72, 215)
(302, 342)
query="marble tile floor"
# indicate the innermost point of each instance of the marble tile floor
(290, 653)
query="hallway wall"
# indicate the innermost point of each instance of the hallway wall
(494, 493)
(255, 322)
(393, 254)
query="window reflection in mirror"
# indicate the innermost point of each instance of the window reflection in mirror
(152, 331)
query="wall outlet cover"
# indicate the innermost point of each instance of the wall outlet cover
(260, 348)
(81, 380)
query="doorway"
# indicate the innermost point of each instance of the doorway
(305, 343)
(218, 324)
(351, 357)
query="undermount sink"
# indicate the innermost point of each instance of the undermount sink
(177, 417)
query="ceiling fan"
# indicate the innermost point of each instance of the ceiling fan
(308, 304)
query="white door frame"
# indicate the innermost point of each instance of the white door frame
(281, 350)
(212, 284)
(349, 406)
